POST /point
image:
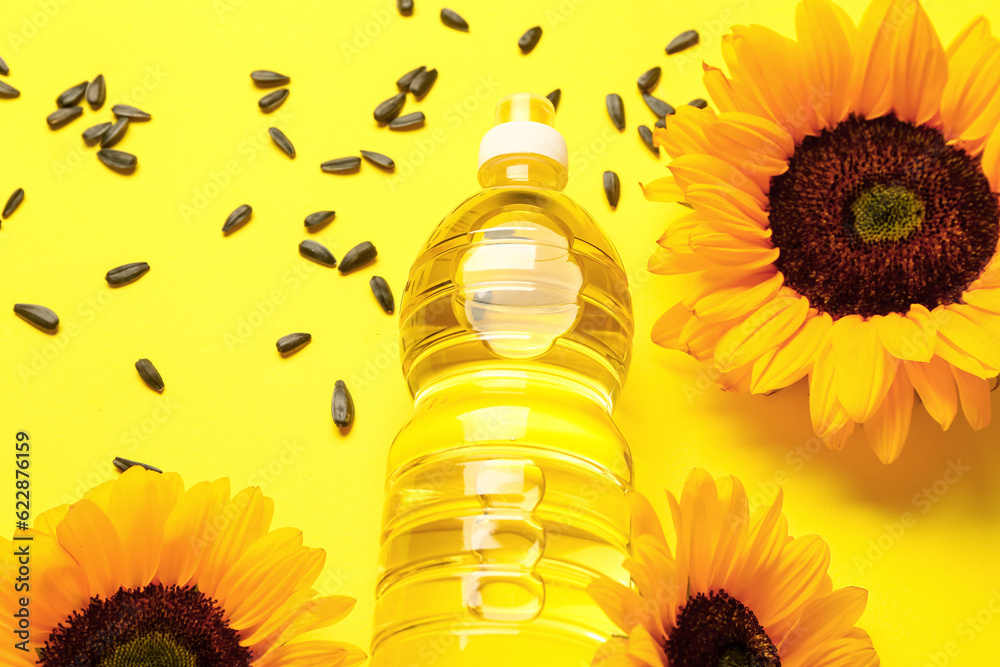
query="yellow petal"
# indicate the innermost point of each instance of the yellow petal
(792, 580)
(48, 521)
(828, 415)
(756, 134)
(970, 107)
(991, 160)
(983, 299)
(643, 517)
(824, 619)
(903, 337)
(88, 535)
(663, 189)
(243, 520)
(972, 331)
(621, 604)
(920, 68)
(715, 202)
(975, 395)
(871, 82)
(305, 654)
(667, 262)
(722, 250)
(936, 387)
(827, 36)
(254, 563)
(864, 370)
(312, 614)
(738, 295)
(888, 427)
(729, 95)
(791, 361)
(769, 326)
(668, 327)
(836, 440)
(263, 590)
(189, 529)
(693, 169)
(58, 585)
(643, 647)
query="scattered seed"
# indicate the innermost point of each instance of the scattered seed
(403, 82)
(40, 316)
(237, 218)
(265, 78)
(616, 110)
(380, 288)
(8, 92)
(132, 113)
(272, 101)
(117, 160)
(554, 97)
(281, 141)
(292, 343)
(405, 7)
(612, 188)
(60, 117)
(451, 19)
(647, 138)
(12, 203)
(318, 219)
(423, 82)
(317, 252)
(342, 165)
(698, 103)
(389, 109)
(70, 96)
(379, 160)
(96, 92)
(408, 122)
(3, 67)
(685, 40)
(358, 256)
(126, 273)
(124, 464)
(647, 80)
(529, 39)
(95, 133)
(115, 133)
(661, 122)
(149, 374)
(657, 106)
(343, 405)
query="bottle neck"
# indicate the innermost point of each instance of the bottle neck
(524, 170)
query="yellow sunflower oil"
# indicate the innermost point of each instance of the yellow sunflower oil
(506, 489)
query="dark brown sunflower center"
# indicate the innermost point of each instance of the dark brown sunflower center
(154, 625)
(876, 215)
(719, 631)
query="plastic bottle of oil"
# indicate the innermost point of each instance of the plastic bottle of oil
(506, 489)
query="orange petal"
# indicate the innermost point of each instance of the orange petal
(827, 36)
(668, 327)
(58, 585)
(903, 337)
(693, 169)
(726, 203)
(663, 189)
(253, 565)
(642, 646)
(991, 159)
(724, 250)
(970, 107)
(729, 95)
(791, 361)
(311, 614)
(792, 580)
(864, 369)
(936, 387)
(643, 517)
(972, 332)
(871, 81)
(621, 604)
(975, 395)
(828, 415)
(306, 654)
(836, 440)
(824, 619)
(888, 427)
(920, 68)
(48, 521)
(88, 535)
(769, 326)
(667, 262)
(736, 294)
(262, 590)
(757, 134)
(189, 529)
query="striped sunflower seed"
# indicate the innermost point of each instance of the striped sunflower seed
(685, 40)
(8, 92)
(12, 203)
(657, 106)
(40, 316)
(403, 82)
(272, 101)
(647, 80)
(70, 96)
(130, 112)
(698, 103)
(555, 96)
(118, 160)
(237, 218)
(529, 40)
(95, 133)
(408, 122)
(281, 141)
(126, 273)
(123, 464)
(612, 188)
(379, 160)
(451, 19)
(423, 82)
(149, 374)
(265, 78)
(343, 405)
(317, 252)
(357, 257)
(380, 288)
(319, 219)
(616, 110)
(60, 117)
(390, 108)
(292, 343)
(342, 165)
(96, 92)
(4, 69)
(405, 7)
(115, 133)
(647, 138)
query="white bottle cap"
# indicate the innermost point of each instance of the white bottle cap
(523, 136)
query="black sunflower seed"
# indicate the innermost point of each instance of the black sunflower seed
(317, 252)
(3, 67)
(554, 97)
(380, 288)
(70, 96)
(60, 117)
(612, 188)
(12, 203)
(130, 112)
(342, 165)
(319, 219)
(647, 138)
(616, 110)
(115, 133)
(95, 133)
(281, 141)
(451, 19)
(405, 7)
(40, 316)
(685, 40)
(389, 109)
(403, 82)
(265, 78)
(343, 405)
(422, 83)
(237, 218)
(379, 160)
(292, 343)
(657, 106)
(117, 160)
(126, 273)
(358, 256)
(272, 101)
(149, 374)
(8, 92)
(698, 103)
(408, 122)
(96, 92)
(529, 39)
(661, 122)
(123, 464)
(647, 80)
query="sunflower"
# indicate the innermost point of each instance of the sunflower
(844, 218)
(739, 592)
(141, 572)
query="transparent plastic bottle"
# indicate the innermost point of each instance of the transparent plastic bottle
(506, 489)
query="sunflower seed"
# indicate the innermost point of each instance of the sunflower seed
(12, 203)
(647, 80)
(612, 188)
(60, 117)
(423, 82)
(554, 97)
(529, 39)
(8, 92)
(403, 82)
(405, 7)
(70, 96)
(3, 67)
(389, 109)
(380, 288)
(115, 133)
(292, 343)
(379, 160)
(342, 165)
(117, 160)
(126, 111)
(661, 122)
(124, 464)
(95, 133)
(272, 101)
(343, 405)
(647, 138)
(358, 256)
(685, 40)
(149, 374)
(451, 19)
(616, 110)
(657, 106)
(408, 122)
(698, 103)
(96, 92)
(281, 141)
(126, 273)
(265, 78)
(237, 218)
(317, 252)
(318, 219)
(40, 316)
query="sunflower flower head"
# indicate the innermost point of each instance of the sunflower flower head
(143, 572)
(844, 218)
(738, 591)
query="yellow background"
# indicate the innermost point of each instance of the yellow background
(211, 308)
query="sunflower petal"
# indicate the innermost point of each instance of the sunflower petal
(871, 89)
(792, 580)
(975, 395)
(306, 654)
(769, 326)
(621, 604)
(736, 294)
(969, 106)
(791, 361)
(263, 590)
(88, 535)
(663, 189)
(667, 329)
(903, 337)
(864, 369)
(244, 520)
(693, 169)
(828, 415)
(823, 619)
(918, 57)
(643, 517)
(972, 331)
(936, 387)
(827, 36)
(189, 529)
(888, 427)
(991, 159)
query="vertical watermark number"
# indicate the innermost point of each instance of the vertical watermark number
(22, 543)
